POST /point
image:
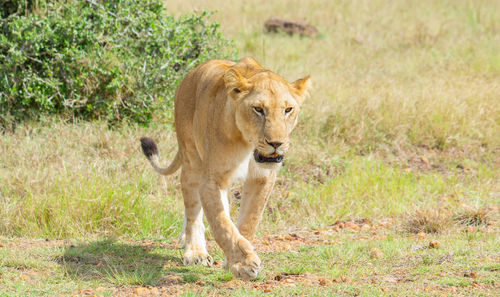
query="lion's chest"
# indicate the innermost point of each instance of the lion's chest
(242, 169)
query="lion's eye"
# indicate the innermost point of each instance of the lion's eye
(288, 110)
(259, 110)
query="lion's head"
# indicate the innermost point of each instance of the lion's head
(266, 107)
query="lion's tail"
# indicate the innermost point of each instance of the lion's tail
(150, 150)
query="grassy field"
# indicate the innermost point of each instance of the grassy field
(391, 188)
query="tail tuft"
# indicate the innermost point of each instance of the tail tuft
(149, 147)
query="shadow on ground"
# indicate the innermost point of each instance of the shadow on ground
(121, 263)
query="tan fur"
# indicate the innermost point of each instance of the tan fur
(218, 129)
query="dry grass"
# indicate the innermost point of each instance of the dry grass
(428, 221)
(476, 216)
(441, 220)
(62, 180)
(386, 73)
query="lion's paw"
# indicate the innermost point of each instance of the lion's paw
(247, 269)
(197, 258)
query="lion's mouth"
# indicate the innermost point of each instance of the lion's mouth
(273, 158)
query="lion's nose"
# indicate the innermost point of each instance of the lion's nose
(274, 144)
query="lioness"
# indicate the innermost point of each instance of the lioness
(233, 121)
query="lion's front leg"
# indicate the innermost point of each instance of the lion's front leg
(256, 191)
(240, 254)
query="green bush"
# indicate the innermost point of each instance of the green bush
(96, 59)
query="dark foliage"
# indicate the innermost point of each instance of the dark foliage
(95, 59)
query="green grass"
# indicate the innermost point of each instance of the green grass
(364, 182)
(406, 89)
(66, 267)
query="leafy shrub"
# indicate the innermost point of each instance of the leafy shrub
(113, 60)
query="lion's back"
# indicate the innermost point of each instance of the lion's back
(200, 94)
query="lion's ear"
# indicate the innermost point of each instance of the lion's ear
(235, 82)
(250, 62)
(301, 87)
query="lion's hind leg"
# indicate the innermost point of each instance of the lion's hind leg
(194, 229)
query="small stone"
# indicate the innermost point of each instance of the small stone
(141, 291)
(376, 254)
(385, 290)
(352, 226)
(471, 274)
(200, 283)
(324, 281)
(434, 244)
(491, 223)
(174, 278)
(154, 291)
(2, 245)
(267, 290)
(99, 265)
